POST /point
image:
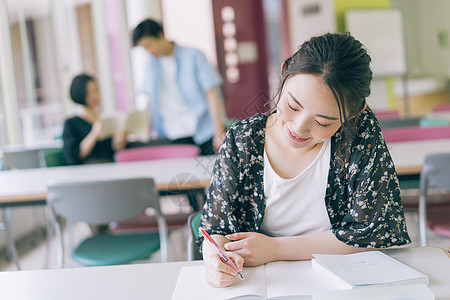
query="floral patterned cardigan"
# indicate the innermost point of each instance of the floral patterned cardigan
(362, 196)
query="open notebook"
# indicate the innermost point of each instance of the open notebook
(301, 280)
(276, 280)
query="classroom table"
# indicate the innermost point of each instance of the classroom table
(408, 156)
(157, 280)
(29, 186)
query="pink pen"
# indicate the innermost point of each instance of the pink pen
(221, 254)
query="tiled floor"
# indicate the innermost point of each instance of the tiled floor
(178, 239)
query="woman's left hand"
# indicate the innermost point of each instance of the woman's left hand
(255, 248)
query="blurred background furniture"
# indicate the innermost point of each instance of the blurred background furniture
(399, 122)
(435, 174)
(415, 133)
(156, 152)
(17, 158)
(21, 158)
(193, 251)
(99, 202)
(435, 139)
(195, 196)
(381, 114)
(52, 157)
(443, 107)
(28, 187)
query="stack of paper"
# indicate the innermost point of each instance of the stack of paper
(366, 269)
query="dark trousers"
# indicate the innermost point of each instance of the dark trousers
(205, 149)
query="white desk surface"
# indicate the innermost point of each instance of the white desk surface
(31, 184)
(169, 174)
(408, 156)
(157, 280)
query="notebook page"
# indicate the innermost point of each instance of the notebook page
(191, 285)
(289, 278)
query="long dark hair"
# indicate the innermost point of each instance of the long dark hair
(343, 64)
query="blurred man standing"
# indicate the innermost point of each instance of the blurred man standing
(182, 87)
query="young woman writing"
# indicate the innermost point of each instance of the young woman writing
(312, 176)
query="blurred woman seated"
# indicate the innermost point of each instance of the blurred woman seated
(82, 135)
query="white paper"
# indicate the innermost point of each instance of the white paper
(191, 285)
(275, 280)
(393, 292)
(369, 268)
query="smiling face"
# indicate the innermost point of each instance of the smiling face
(307, 112)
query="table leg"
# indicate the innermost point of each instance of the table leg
(7, 215)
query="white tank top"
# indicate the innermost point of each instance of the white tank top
(296, 206)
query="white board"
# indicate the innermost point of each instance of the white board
(381, 31)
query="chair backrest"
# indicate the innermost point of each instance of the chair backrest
(193, 222)
(52, 157)
(435, 172)
(156, 152)
(415, 133)
(21, 159)
(103, 201)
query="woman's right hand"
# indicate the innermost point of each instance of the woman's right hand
(218, 273)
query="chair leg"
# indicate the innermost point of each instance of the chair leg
(48, 237)
(7, 215)
(423, 220)
(163, 238)
(190, 254)
(55, 221)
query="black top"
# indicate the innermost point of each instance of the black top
(75, 130)
(362, 196)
